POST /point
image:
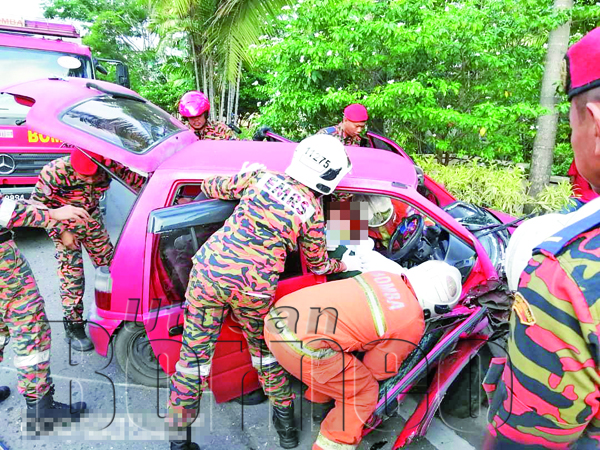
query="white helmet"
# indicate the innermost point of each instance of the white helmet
(437, 286)
(319, 162)
(525, 238)
(381, 209)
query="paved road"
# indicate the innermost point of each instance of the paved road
(126, 416)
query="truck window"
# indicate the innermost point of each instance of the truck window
(10, 111)
(20, 64)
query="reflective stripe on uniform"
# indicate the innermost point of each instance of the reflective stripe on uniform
(32, 360)
(202, 369)
(6, 211)
(292, 340)
(374, 306)
(328, 444)
(263, 360)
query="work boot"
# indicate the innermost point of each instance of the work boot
(320, 410)
(4, 393)
(186, 444)
(253, 398)
(47, 408)
(75, 333)
(283, 420)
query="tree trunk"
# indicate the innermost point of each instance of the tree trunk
(237, 94)
(543, 146)
(194, 56)
(211, 94)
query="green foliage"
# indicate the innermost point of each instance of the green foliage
(492, 186)
(460, 78)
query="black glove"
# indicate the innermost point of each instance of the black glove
(261, 133)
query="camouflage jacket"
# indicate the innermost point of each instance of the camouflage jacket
(216, 131)
(548, 393)
(338, 132)
(59, 185)
(274, 214)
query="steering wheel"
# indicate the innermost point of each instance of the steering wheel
(408, 234)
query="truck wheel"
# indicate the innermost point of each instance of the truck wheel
(466, 395)
(136, 357)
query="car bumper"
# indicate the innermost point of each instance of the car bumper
(101, 330)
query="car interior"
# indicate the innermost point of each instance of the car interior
(404, 234)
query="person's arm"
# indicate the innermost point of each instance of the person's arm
(18, 214)
(314, 247)
(551, 379)
(46, 187)
(228, 188)
(133, 179)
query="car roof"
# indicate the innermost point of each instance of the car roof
(227, 157)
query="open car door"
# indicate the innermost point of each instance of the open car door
(174, 235)
(103, 118)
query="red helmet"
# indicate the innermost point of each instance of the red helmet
(193, 103)
(82, 164)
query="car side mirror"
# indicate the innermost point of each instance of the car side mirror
(123, 75)
(100, 68)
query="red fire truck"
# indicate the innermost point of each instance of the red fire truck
(30, 50)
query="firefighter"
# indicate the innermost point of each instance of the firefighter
(546, 392)
(313, 332)
(238, 268)
(76, 180)
(22, 314)
(352, 125)
(194, 108)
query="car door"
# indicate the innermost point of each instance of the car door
(174, 235)
(103, 118)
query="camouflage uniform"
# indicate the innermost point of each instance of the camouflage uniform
(216, 131)
(22, 313)
(338, 132)
(59, 185)
(238, 269)
(548, 394)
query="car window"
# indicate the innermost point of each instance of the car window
(389, 215)
(133, 125)
(172, 262)
(378, 143)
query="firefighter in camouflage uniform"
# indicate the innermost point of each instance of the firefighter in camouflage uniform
(546, 393)
(238, 268)
(194, 108)
(349, 129)
(75, 180)
(22, 314)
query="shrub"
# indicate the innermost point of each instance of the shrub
(493, 186)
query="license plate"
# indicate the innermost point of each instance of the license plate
(16, 196)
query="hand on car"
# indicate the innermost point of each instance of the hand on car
(247, 167)
(69, 212)
(69, 240)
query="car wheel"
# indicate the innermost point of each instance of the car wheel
(136, 357)
(466, 395)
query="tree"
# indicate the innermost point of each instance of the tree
(219, 34)
(543, 147)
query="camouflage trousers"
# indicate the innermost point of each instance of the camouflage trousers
(95, 239)
(23, 318)
(207, 307)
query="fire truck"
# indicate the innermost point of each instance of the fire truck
(32, 49)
